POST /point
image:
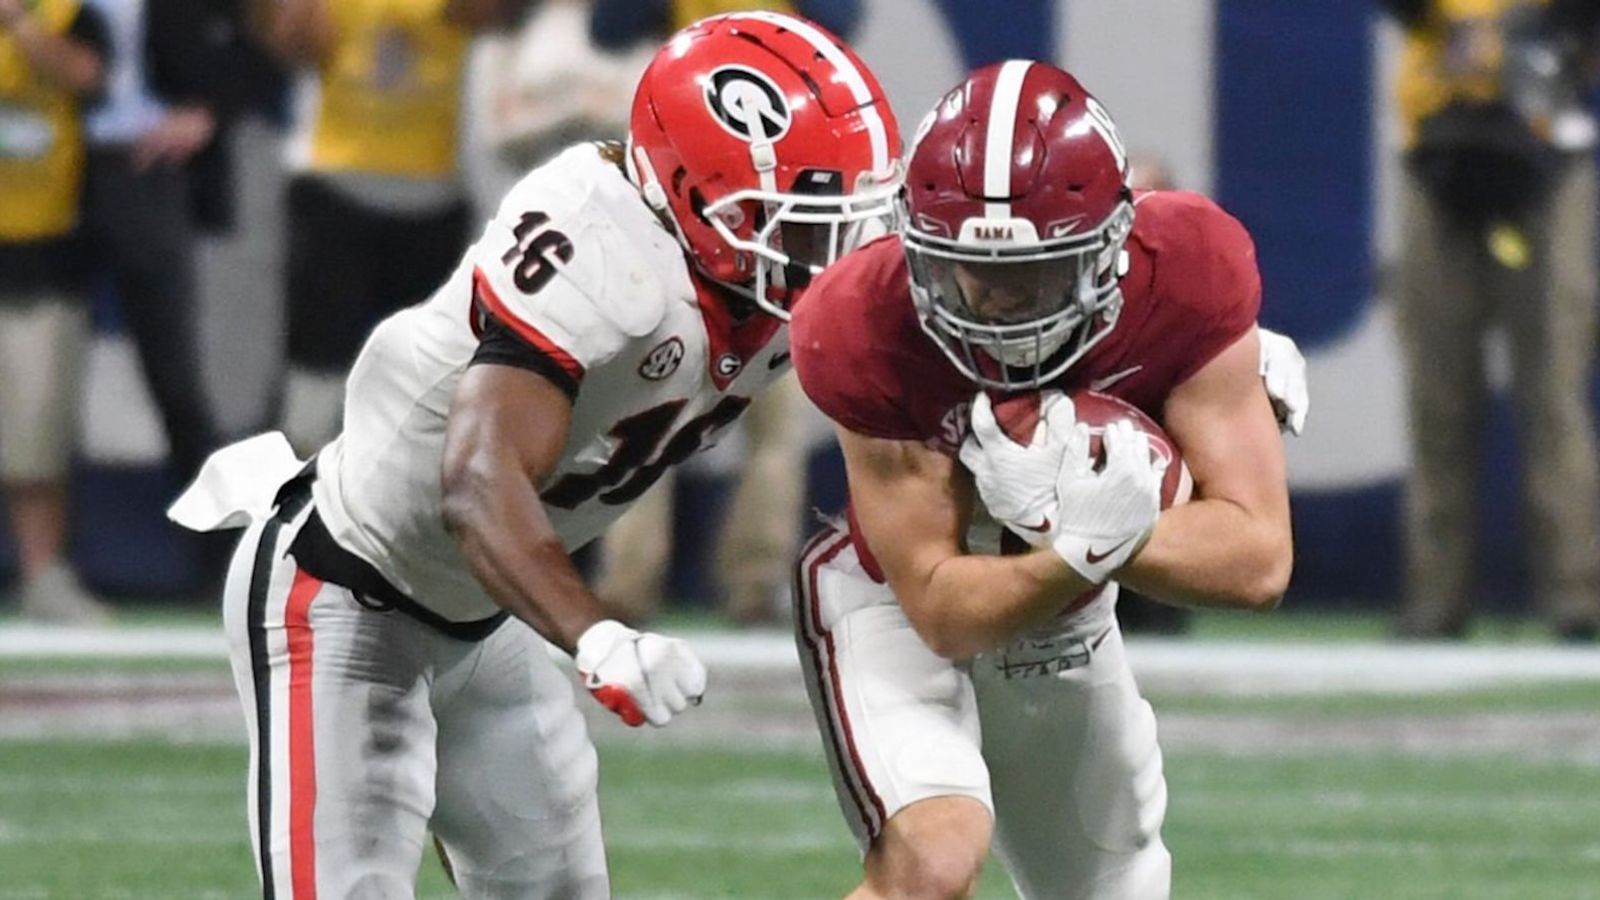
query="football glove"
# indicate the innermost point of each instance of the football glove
(642, 677)
(1018, 481)
(1283, 371)
(1051, 495)
(1107, 515)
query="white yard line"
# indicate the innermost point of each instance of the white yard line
(188, 642)
(1277, 667)
(1282, 667)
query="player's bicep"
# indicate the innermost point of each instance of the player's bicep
(912, 504)
(505, 422)
(1222, 419)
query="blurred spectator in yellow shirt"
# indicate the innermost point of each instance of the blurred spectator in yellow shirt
(377, 207)
(51, 58)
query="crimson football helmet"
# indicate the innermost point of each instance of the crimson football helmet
(770, 148)
(1016, 210)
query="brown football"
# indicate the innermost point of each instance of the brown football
(1018, 416)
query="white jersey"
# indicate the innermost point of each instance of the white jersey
(578, 266)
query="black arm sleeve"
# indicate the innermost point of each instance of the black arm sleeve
(500, 346)
(1580, 18)
(616, 25)
(89, 29)
(202, 51)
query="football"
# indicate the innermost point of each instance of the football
(1018, 416)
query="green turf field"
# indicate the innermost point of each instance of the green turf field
(1482, 792)
(87, 820)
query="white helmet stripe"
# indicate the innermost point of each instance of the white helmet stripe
(877, 133)
(1000, 139)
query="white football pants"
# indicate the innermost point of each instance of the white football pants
(367, 727)
(1049, 733)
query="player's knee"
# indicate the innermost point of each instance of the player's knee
(375, 886)
(577, 791)
(932, 873)
(945, 878)
(933, 850)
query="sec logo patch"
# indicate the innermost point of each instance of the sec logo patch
(663, 360)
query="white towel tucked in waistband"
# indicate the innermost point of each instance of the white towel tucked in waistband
(237, 484)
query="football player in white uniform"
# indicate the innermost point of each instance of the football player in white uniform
(622, 308)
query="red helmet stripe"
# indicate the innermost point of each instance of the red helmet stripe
(876, 132)
(999, 141)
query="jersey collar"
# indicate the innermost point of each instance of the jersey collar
(730, 344)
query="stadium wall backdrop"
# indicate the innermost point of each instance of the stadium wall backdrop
(1218, 89)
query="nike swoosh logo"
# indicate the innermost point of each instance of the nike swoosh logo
(1100, 384)
(1096, 558)
(1042, 528)
(777, 360)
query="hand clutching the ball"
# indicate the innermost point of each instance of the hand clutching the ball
(1051, 493)
(1018, 482)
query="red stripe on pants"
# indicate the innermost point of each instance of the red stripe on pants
(844, 738)
(302, 747)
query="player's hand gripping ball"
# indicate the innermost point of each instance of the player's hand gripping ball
(1019, 414)
(1085, 475)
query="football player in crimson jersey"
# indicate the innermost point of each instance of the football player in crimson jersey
(964, 694)
(623, 307)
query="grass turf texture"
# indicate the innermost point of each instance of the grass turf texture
(103, 820)
(129, 820)
(1287, 624)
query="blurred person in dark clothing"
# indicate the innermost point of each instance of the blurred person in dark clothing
(1499, 213)
(619, 24)
(51, 59)
(378, 210)
(176, 71)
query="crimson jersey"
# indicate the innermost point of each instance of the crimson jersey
(1192, 290)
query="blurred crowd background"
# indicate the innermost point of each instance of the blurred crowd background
(204, 205)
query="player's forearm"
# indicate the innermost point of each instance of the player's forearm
(506, 537)
(60, 60)
(973, 603)
(1215, 554)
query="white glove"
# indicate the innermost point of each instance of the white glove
(1050, 494)
(1017, 482)
(1106, 516)
(642, 677)
(1283, 370)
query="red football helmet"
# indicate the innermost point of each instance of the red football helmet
(1017, 207)
(769, 146)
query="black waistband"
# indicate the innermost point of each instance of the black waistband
(319, 555)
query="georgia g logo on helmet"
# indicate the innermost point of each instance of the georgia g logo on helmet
(733, 122)
(747, 103)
